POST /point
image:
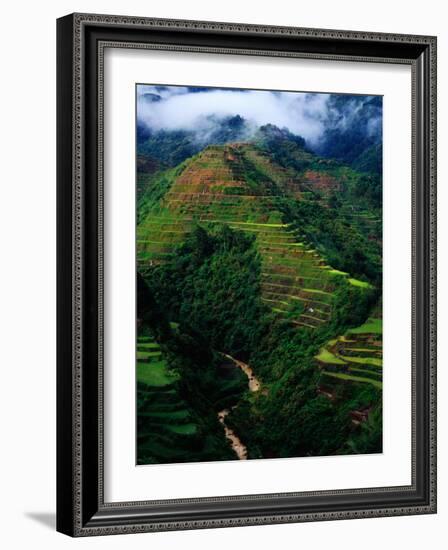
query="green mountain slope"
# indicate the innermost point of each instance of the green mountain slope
(307, 230)
(240, 186)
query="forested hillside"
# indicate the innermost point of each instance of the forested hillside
(259, 295)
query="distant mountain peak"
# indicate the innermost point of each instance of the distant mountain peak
(270, 132)
(273, 130)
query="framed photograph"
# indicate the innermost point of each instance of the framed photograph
(246, 274)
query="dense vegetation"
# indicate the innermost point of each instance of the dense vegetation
(211, 285)
(271, 254)
(179, 394)
(345, 247)
(174, 146)
(355, 133)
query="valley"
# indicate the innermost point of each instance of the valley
(260, 335)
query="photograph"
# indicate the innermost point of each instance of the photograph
(259, 265)
(246, 273)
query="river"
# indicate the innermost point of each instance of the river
(254, 385)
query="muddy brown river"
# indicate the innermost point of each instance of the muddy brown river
(254, 385)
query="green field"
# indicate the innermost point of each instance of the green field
(359, 354)
(354, 378)
(326, 356)
(162, 411)
(371, 326)
(154, 374)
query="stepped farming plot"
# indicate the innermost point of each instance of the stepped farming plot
(356, 357)
(316, 186)
(166, 430)
(230, 185)
(259, 274)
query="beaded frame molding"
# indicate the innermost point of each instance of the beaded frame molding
(81, 40)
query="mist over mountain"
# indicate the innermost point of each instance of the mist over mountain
(353, 131)
(174, 123)
(170, 147)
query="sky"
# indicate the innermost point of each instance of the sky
(199, 109)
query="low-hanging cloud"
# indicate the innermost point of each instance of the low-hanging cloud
(199, 110)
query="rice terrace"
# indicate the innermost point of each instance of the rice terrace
(259, 274)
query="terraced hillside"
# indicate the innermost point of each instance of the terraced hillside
(354, 357)
(263, 251)
(239, 186)
(166, 430)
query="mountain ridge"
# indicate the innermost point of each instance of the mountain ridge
(351, 126)
(283, 247)
(241, 185)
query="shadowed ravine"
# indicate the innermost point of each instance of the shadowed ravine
(254, 385)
